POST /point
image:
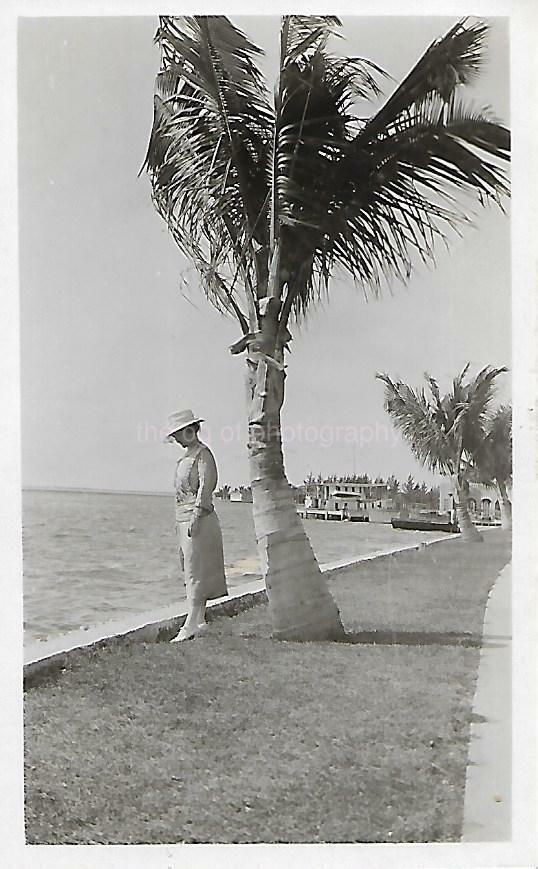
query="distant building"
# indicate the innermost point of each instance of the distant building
(343, 495)
(482, 501)
(242, 494)
(299, 494)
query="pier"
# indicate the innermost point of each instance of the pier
(334, 515)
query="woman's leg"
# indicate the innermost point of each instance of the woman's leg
(199, 615)
(195, 615)
(193, 624)
(203, 564)
(195, 602)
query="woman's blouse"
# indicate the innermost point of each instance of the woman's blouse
(195, 481)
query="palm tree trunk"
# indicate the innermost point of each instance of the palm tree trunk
(506, 506)
(300, 604)
(469, 531)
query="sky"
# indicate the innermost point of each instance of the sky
(115, 333)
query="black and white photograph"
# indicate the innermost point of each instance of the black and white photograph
(271, 497)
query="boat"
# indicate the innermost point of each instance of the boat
(423, 525)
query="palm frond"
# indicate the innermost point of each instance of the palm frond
(208, 150)
(493, 458)
(453, 60)
(303, 35)
(479, 394)
(416, 419)
(370, 209)
(314, 122)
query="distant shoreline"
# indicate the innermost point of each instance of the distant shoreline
(89, 491)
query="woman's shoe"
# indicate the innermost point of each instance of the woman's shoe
(188, 634)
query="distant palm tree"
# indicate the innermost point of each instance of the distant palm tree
(445, 432)
(493, 459)
(409, 491)
(267, 198)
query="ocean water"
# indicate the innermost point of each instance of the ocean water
(92, 557)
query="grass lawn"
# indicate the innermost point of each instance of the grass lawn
(238, 738)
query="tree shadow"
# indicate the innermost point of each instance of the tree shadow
(413, 638)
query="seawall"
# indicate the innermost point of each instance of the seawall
(42, 658)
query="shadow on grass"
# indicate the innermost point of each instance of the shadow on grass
(413, 638)
(385, 638)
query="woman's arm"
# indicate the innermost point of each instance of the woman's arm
(207, 483)
(207, 480)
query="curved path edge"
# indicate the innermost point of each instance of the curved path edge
(488, 788)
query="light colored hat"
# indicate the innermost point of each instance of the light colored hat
(180, 419)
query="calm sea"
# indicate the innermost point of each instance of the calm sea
(92, 557)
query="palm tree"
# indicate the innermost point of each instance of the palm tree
(224, 492)
(445, 433)
(493, 459)
(266, 197)
(409, 491)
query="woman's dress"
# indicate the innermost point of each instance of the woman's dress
(202, 554)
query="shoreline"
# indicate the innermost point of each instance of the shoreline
(239, 575)
(42, 656)
(89, 558)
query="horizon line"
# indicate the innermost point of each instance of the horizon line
(97, 491)
(101, 491)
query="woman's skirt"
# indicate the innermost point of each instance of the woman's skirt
(203, 559)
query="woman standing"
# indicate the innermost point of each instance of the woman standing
(197, 525)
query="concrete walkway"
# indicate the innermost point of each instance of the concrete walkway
(488, 797)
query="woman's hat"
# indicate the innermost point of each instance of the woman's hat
(180, 419)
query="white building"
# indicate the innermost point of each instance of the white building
(241, 495)
(483, 502)
(355, 497)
